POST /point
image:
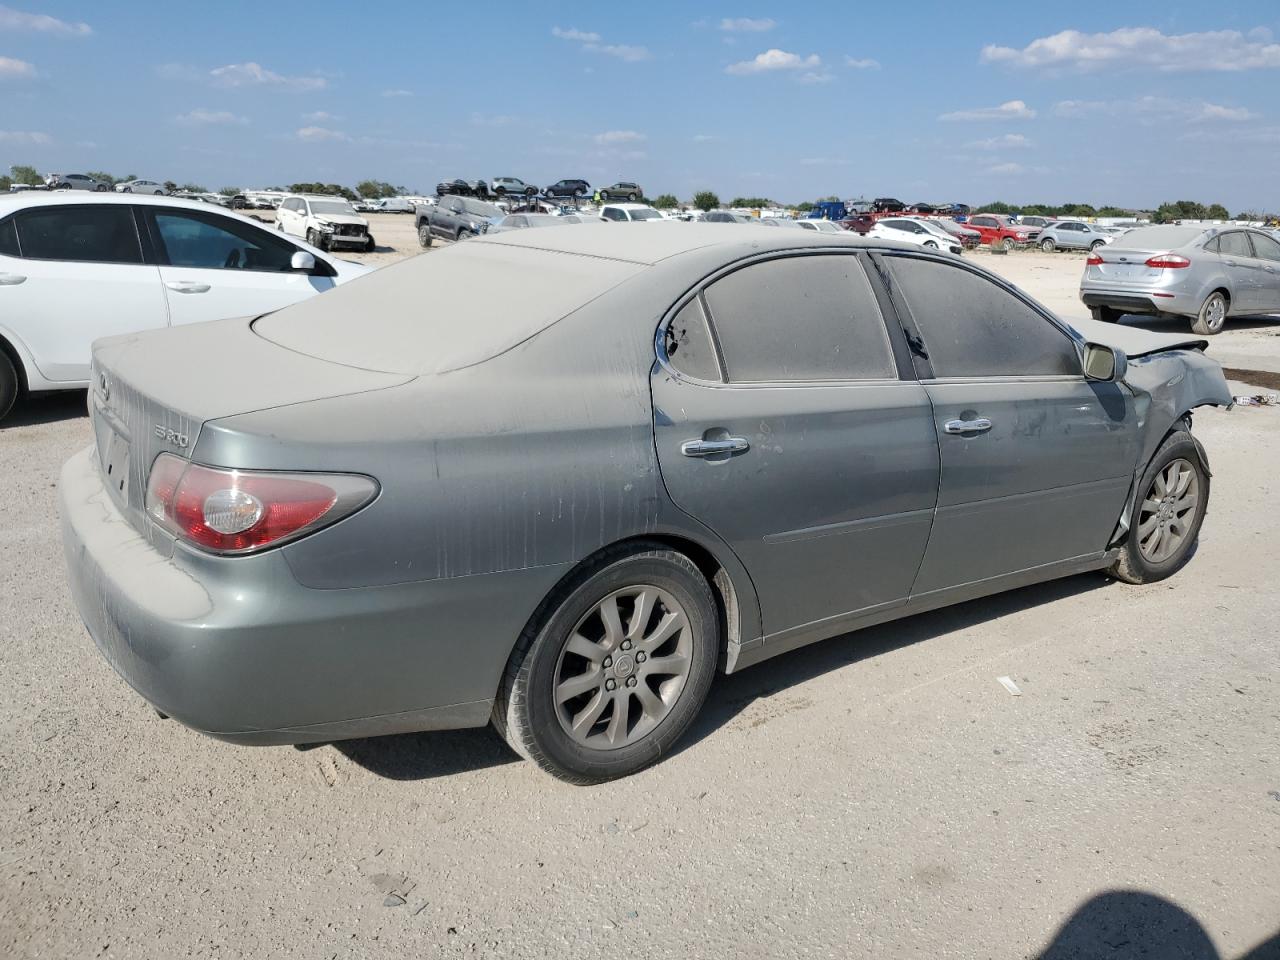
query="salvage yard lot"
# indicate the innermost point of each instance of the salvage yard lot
(880, 794)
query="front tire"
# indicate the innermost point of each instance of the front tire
(127, 190)
(631, 197)
(424, 236)
(9, 385)
(1008, 244)
(1212, 316)
(1047, 244)
(1093, 247)
(1164, 524)
(369, 245)
(930, 245)
(614, 666)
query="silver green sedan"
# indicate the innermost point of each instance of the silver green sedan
(638, 459)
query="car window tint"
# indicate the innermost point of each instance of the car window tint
(800, 318)
(972, 327)
(689, 346)
(1214, 245)
(1235, 245)
(103, 234)
(197, 240)
(1263, 247)
(9, 239)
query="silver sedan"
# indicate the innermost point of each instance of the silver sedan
(640, 458)
(1207, 275)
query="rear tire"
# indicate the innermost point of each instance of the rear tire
(1164, 524)
(531, 710)
(424, 236)
(1105, 314)
(1047, 244)
(930, 245)
(1212, 316)
(9, 385)
(128, 190)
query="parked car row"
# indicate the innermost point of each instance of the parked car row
(500, 187)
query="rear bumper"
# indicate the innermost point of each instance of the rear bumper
(1138, 301)
(238, 649)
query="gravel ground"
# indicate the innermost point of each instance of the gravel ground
(877, 795)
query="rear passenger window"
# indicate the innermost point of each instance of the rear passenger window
(800, 318)
(9, 239)
(972, 327)
(1235, 245)
(103, 234)
(689, 346)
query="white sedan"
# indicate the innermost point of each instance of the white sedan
(908, 230)
(141, 186)
(74, 268)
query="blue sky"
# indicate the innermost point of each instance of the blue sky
(1102, 103)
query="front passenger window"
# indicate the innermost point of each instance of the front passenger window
(195, 240)
(972, 327)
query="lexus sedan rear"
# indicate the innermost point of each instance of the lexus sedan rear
(642, 457)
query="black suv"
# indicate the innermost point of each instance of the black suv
(568, 188)
(459, 188)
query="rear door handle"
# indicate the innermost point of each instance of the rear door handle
(709, 448)
(981, 425)
(188, 286)
(11, 279)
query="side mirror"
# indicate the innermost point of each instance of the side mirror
(1104, 363)
(302, 262)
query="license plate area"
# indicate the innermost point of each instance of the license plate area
(113, 454)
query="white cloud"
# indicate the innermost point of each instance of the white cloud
(1009, 110)
(255, 75)
(316, 134)
(11, 68)
(864, 64)
(1152, 109)
(11, 19)
(816, 76)
(397, 92)
(201, 117)
(594, 43)
(774, 59)
(1127, 47)
(1010, 141)
(320, 116)
(1012, 169)
(619, 136)
(747, 25)
(704, 137)
(25, 137)
(581, 36)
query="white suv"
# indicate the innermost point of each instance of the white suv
(623, 212)
(326, 222)
(76, 267)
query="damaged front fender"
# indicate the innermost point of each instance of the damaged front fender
(1166, 388)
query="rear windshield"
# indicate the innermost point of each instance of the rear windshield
(443, 311)
(1161, 238)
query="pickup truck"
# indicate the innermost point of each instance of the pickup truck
(999, 230)
(454, 218)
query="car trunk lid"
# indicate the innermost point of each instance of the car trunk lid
(151, 393)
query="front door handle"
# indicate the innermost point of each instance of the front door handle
(709, 448)
(11, 279)
(188, 286)
(981, 425)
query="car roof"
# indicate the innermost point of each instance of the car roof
(12, 202)
(633, 206)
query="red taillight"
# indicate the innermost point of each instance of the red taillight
(1169, 261)
(1093, 261)
(237, 511)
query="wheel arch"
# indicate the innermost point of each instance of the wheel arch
(18, 359)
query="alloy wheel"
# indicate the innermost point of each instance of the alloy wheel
(623, 668)
(1168, 511)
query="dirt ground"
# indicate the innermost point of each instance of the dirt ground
(880, 794)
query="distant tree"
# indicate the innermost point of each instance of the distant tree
(229, 191)
(1078, 210)
(1114, 212)
(1040, 210)
(327, 189)
(1217, 211)
(27, 175)
(705, 200)
(192, 188)
(998, 207)
(804, 207)
(170, 187)
(376, 189)
(830, 199)
(666, 201)
(102, 177)
(1180, 210)
(751, 202)
(5, 184)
